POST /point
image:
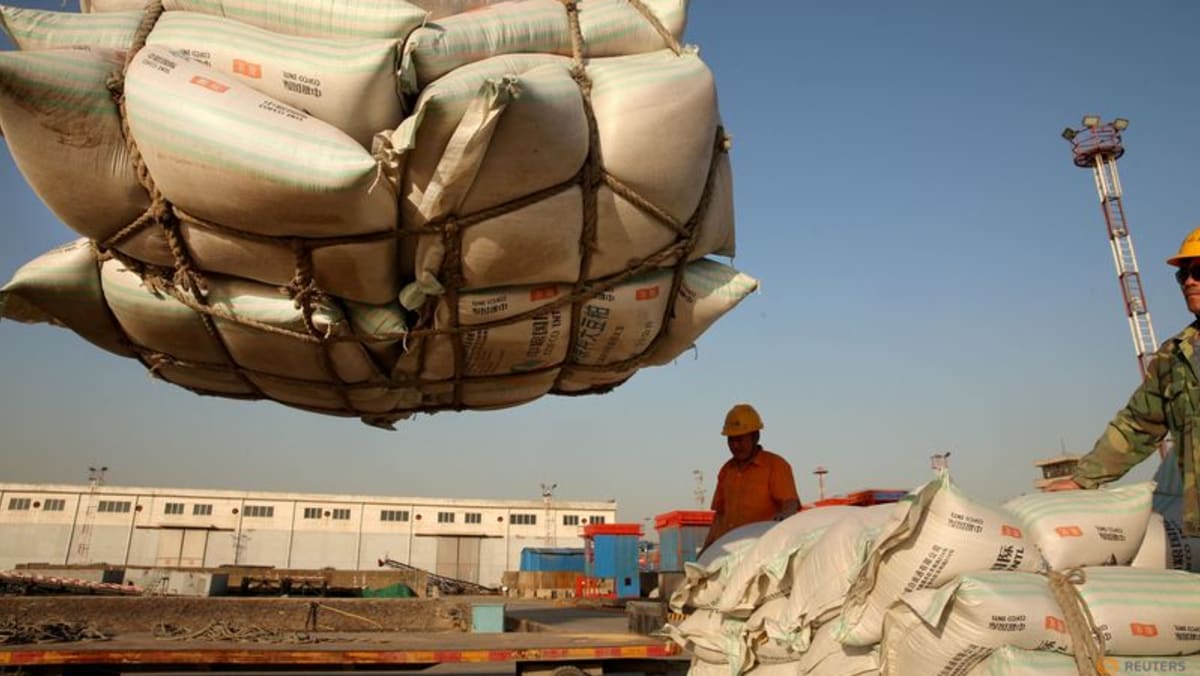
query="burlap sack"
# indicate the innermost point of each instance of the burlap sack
(240, 161)
(615, 326)
(64, 131)
(42, 29)
(498, 145)
(62, 287)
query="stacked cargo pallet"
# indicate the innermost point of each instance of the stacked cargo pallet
(940, 583)
(374, 209)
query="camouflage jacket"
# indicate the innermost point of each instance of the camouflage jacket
(1167, 401)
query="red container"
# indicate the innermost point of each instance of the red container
(678, 519)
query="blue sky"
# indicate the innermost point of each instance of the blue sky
(935, 277)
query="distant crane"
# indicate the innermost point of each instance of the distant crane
(698, 493)
(1097, 146)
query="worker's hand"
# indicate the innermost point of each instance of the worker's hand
(1064, 485)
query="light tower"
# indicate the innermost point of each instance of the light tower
(1097, 146)
(84, 544)
(547, 502)
(820, 471)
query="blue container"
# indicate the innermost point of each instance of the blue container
(487, 618)
(547, 559)
(613, 554)
(681, 536)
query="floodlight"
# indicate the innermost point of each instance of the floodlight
(1120, 124)
(1069, 134)
(1091, 121)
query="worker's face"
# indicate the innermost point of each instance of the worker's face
(742, 446)
(1188, 277)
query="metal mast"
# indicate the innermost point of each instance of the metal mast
(547, 500)
(1097, 146)
(84, 544)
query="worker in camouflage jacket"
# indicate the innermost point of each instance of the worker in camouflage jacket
(1168, 401)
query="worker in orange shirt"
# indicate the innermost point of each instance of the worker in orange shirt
(755, 484)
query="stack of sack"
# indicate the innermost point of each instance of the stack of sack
(374, 209)
(940, 583)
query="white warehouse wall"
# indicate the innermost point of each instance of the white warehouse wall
(212, 528)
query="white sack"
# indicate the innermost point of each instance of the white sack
(614, 326)
(62, 287)
(822, 578)
(711, 638)
(223, 152)
(1086, 528)
(949, 630)
(937, 534)
(609, 28)
(64, 131)
(761, 572)
(1153, 553)
(1008, 661)
(43, 29)
(827, 657)
(1140, 612)
(350, 84)
(340, 19)
(705, 578)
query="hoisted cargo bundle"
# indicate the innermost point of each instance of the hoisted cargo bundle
(265, 222)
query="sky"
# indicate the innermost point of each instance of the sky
(936, 277)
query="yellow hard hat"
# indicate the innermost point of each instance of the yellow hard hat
(1190, 248)
(741, 419)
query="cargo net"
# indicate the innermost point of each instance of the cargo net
(353, 372)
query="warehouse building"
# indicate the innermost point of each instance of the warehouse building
(468, 539)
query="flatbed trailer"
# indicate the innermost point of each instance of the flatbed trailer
(555, 641)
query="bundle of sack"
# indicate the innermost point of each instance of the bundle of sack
(374, 209)
(1078, 582)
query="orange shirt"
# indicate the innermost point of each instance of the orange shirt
(751, 492)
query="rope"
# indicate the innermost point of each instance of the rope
(658, 26)
(1087, 642)
(187, 284)
(220, 630)
(452, 277)
(15, 632)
